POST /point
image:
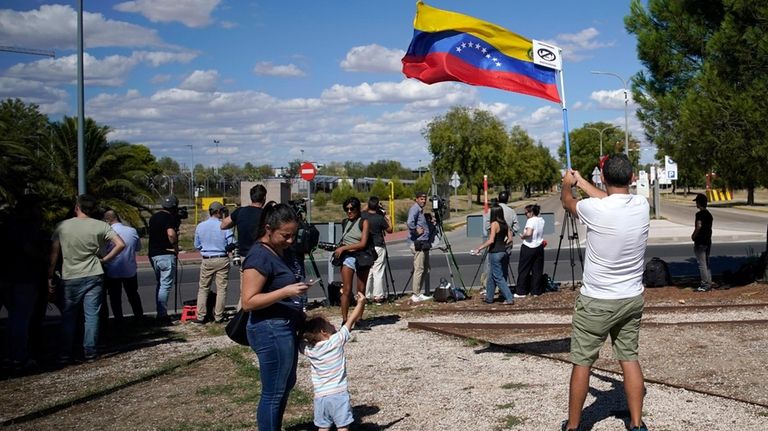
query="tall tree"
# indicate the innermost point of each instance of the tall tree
(468, 141)
(705, 88)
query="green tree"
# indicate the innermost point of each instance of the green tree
(117, 174)
(585, 146)
(24, 134)
(466, 141)
(704, 92)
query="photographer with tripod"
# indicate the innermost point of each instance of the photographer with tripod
(420, 245)
(378, 226)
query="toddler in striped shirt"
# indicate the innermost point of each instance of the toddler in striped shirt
(323, 345)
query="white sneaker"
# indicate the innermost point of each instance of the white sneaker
(516, 296)
(415, 298)
(423, 297)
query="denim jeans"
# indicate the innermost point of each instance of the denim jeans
(165, 274)
(702, 257)
(275, 343)
(87, 291)
(496, 277)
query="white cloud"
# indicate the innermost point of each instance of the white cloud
(373, 58)
(108, 71)
(192, 13)
(201, 80)
(405, 91)
(50, 99)
(575, 45)
(267, 68)
(55, 27)
(610, 99)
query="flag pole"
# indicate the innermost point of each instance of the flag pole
(565, 120)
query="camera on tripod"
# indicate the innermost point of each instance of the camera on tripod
(438, 207)
(232, 248)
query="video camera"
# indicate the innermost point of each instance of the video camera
(438, 207)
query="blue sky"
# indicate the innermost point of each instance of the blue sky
(314, 80)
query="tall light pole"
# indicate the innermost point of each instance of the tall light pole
(626, 107)
(80, 104)
(600, 131)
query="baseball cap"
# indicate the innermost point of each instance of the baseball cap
(421, 194)
(700, 198)
(215, 206)
(170, 202)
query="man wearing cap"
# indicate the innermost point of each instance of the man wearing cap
(702, 242)
(162, 250)
(212, 242)
(419, 238)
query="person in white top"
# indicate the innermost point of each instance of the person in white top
(531, 264)
(120, 273)
(611, 296)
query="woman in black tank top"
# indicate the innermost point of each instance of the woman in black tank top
(498, 237)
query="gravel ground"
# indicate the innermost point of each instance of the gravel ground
(415, 380)
(410, 379)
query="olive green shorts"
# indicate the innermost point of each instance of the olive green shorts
(594, 319)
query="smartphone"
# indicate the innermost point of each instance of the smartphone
(311, 281)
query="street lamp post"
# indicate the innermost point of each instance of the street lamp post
(600, 131)
(626, 107)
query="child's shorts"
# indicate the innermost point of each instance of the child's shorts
(333, 409)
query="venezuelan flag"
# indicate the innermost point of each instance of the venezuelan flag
(449, 46)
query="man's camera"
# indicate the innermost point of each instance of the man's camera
(232, 248)
(182, 213)
(438, 207)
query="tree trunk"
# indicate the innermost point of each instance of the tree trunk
(751, 195)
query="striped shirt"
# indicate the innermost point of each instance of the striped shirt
(329, 365)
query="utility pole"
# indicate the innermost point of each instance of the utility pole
(80, 104)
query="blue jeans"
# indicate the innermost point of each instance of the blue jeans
(89, 292)
(496, 276)
(165, 274)
(275, 343)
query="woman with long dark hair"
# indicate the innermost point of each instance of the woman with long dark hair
(499, 236)
(271, 292)
(354, 240)
(531, 264)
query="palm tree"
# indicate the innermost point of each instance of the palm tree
(116, 173)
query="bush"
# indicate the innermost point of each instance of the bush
(321, 199)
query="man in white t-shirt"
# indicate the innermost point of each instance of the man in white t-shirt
(611, 299)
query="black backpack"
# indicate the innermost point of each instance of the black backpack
(656, 273)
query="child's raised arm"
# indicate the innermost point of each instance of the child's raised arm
(357, 313)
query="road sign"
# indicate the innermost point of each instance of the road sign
(455, 181)
(307, 171)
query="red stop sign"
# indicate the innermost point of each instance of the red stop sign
(307, 171)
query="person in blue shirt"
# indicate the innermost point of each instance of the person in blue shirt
(212, 242)
(420, 244)
(121, 273)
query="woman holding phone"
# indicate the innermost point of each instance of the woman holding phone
(272, 295)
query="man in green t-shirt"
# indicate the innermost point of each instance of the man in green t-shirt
(78, 241)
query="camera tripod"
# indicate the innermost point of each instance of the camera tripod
(482, 261)
(571, 229)
(316, 272)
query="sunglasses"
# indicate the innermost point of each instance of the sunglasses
(350, 209)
